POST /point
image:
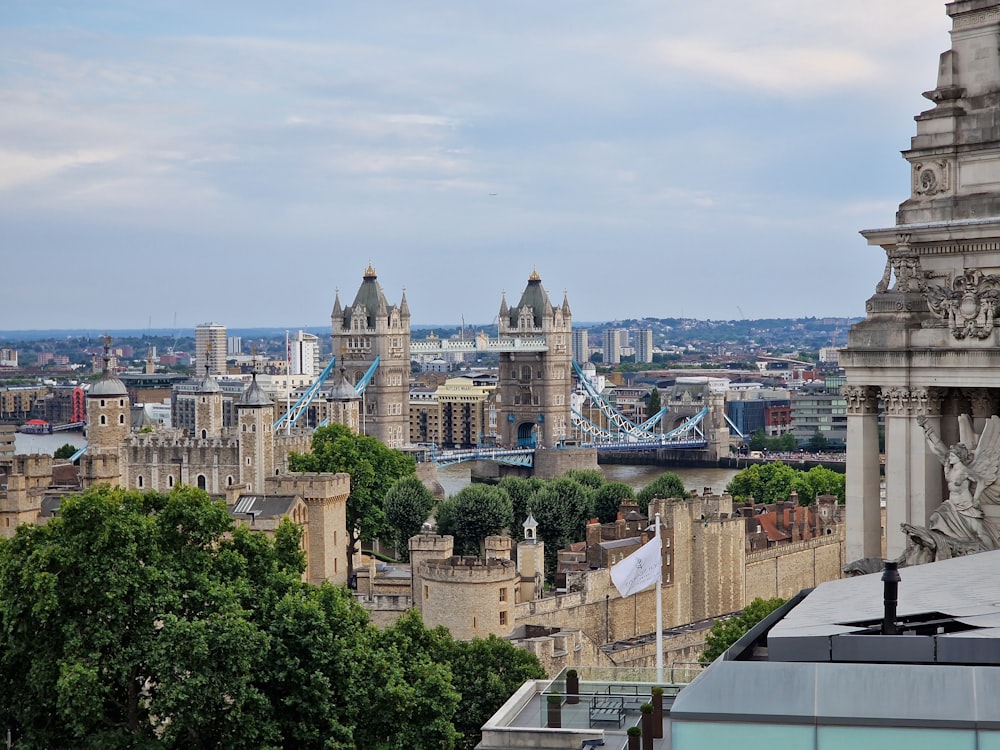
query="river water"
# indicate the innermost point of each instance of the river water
(24, 443)
(453, 478)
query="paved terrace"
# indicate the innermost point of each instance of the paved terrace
(608, 704)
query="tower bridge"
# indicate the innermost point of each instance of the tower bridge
(535, 401)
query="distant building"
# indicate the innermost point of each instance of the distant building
(210, 348)
(581, 345)
(234, 346)
(615, 339)
(8, 357)
(820, 408)
(304, 354)
(642, 343)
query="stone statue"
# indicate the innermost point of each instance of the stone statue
(972, 481)
(958, 525)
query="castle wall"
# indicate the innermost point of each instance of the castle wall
(785, 570)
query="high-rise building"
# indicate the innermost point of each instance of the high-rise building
(234, 346)
(303, 354)
(643, 344)
(581, 345)
(210, 348)
(615, 339)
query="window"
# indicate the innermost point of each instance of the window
(427, 592)
(503, 594)
(138, 481)
(201, 482)
(503, 618)
(121, 419)
(170, 481)
(104, 419)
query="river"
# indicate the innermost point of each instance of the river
(24, 443)
(453, 478)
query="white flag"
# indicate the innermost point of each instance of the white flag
(639, 570)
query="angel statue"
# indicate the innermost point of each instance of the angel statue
(972, 480)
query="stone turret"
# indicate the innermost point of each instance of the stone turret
(255, 422)
(472, 596)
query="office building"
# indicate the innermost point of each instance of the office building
(210, 348)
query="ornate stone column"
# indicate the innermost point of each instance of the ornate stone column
(926, 475)
(899, 449)
(864, 529)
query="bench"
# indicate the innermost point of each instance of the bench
(607, 708)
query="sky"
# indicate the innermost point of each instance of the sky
(240, 162)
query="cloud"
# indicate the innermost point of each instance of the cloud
(18, 168)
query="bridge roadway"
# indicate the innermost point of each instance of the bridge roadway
(526, 456)
(482, 343)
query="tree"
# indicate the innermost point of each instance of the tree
(667, 485)
(65, 451)
(725, 632)
(407, 504)
(820, 480)
(522, 497)
(772, 482)
(608, 499)
(373, 467)
(150, 621)
(590, 478)
(563, 509)
(818, 442)
(759, 440)
(480, 511)
(654, 404)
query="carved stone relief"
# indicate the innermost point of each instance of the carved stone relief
(931, 177)
(969, 306)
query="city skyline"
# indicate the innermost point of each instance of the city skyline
(244, 163)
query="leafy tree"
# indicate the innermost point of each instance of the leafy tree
(654, 404)
(373, 467)
(591, 478)
(666, 485)
(820, 480)
(771, 482)
(522, 497)
(785, 442)
(725, 633)
(407, 505)
(563, 508)
(818, 442)
(759, 440)
(65, 451)
(479, 511)
(608, 499)
(486, 672)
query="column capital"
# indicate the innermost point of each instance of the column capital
(897, 401)
(981, 400)
(861, 399)
(926, 401)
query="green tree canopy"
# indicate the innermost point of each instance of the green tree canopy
(373, 467)
(818, 442)
(666, 485)
(725, 632)
(407, 505)
(147, 620)
(562, 509)
(64, 451)
(522, 495)
(608, 499)
(774, 481)
(479, 511)
(654, 404)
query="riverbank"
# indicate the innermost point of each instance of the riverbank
(802, 461)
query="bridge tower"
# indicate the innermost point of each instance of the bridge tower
(535, 384)
(368, 328)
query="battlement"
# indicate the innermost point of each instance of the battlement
(468, 569)
(432, 543)
(311, 485)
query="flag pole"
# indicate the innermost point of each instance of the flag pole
(659, 610)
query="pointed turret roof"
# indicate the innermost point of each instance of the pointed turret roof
(337, 309)
(534, 296)
(254, 395)
(343, 390)
(108, 385)
(208, 383)
(371, 297)
(565, 304)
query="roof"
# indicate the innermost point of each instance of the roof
(107, 386)
(535, 297)
(254, 395)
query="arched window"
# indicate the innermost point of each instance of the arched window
(104, 419)
(121, 419)
(204, 434)
(229, 481)
(138, 481)
(201, 482)
(170, 481)
(253, 428)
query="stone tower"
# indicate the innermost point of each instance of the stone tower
(255, 415)
(929, 346)
(208, 408)
(108, 426)
(535, 382)
(368, 328)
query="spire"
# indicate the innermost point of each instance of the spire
(337, 309)
(534, 275)
(404, 308)
(565, 304)
(503, 304)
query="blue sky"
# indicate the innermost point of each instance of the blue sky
(238, 162)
